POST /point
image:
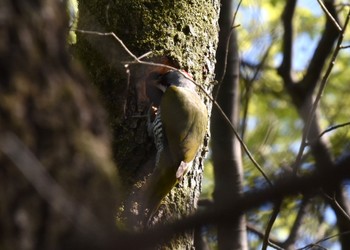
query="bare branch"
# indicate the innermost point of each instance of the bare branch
(331, 128)
(224, 67)
(323, 50)
(324, 8)
(285, 69)
(274, 243)
(109, 34)
(346, 215)
(275, 212)
(245, 148)
(310, 246)
(319, 95)
(297, 222)
(334, 127)
(337, 206)
(248, 85)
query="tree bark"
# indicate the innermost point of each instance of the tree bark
(57, 176)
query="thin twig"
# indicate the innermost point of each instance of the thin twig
(319, 95)
(127, 69)
(145, 55)
(249, 87)
(334, 127)
(329, 15)
(309, 246)
(302, 211)
(109, 34)
(337, 205)
(245, 148)
(235, 15)
(274, 243)
(275, 212)
(227, 48)
(271, 244)
(156, 65)
(341, 209)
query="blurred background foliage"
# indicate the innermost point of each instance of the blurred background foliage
(270, 125)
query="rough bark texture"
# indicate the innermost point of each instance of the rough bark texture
(186, 32)
(53, 129)
(226, 150)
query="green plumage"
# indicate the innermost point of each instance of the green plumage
(184, 120)
(73, 14)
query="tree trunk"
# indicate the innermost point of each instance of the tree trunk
(225, 147)
(182, 34)
(56, 171)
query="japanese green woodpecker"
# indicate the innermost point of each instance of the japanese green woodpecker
(178, 123)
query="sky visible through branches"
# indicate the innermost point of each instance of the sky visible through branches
(256, 36)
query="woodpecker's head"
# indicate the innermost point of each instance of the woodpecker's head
(158, 84)
(176, 78)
